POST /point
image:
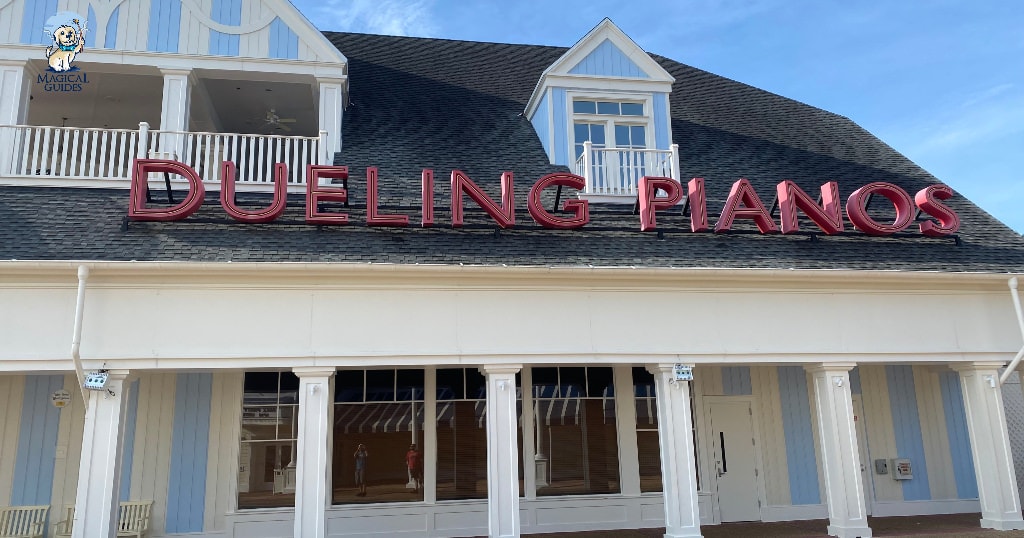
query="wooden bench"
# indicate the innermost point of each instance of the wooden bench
(132, 519)
(23, 521)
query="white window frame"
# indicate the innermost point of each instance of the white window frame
(647, 119)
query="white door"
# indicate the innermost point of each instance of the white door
(735, 460)
(866, 465)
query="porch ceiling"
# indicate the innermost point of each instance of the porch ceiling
(242, 106)
(110, 100)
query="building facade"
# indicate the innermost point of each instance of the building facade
(362, 334)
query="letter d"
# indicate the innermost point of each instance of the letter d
(141, 169)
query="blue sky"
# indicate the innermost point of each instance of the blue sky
(941, 81)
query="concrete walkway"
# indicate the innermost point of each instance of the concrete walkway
(942, 526)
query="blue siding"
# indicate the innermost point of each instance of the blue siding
(37, 442)
(906, 425)
(284, 43)
(541, 121)
(34, 19)
(186, 492)
(662, 136)
(608, 61)
(736, 380)
(855, 380)
(796, 425)
(128, 457)
(959, 438)
(560, 115)
(164, 25)
(225, 12)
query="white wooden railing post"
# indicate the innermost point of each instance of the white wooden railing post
(325, 151)
(143, 139)
(588, 172)
(675, 162)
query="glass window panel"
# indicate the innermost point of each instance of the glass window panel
(380, 385)
(266, 470)
(476, 384)
(461, 450)
(289, 388)
(632, 109)
(638, 135)
(259, 423)
(599, 382)
(649, 454)
(622, 136)
(348, 386)
(584, 107)
(451, 384)
(261, 382)
(597, 134)
(572, 381)
(388, 467)
(410, 385)
(606, 107)
(581, 132)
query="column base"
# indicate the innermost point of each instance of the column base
(684, 533)
(1003, 524)
(849, 532)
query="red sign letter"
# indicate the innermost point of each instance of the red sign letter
(427, 180)
(698, 205)
(743, 193)
(316, 194)
(649, 202)
(372, 217)
(928, 200)
(141, 169)
(505, 215)
(828, 217)
(856, 208)
(227, 195)
(579, 208)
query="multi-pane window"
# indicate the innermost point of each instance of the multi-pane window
(461, 434)
(617, 131)
(647, 440)
(378, 436)
(576, 443)
(269, 433)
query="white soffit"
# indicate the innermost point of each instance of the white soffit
(561, 74)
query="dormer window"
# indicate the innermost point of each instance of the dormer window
(602, 110)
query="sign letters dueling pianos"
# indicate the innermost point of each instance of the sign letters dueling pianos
(654, 193)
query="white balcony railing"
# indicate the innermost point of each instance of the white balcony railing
(76, 154)
(617, 171)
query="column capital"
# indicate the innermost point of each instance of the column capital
(180, 72)
(976, 366)
(830, 367)
(331, 80)
(665, 367)
(313, 371)
(513, 369)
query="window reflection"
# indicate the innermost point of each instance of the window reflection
(270, 410)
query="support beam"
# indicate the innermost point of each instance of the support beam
(312, 486)
(678, 460)
(844, 488)
(990, 445)
(174, 113)
(99, 473)
(502, 448)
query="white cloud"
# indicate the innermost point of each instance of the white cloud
(389, 17)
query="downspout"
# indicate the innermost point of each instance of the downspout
(76, 339)
(1020, 321)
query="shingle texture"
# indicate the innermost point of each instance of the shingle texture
(429, 103)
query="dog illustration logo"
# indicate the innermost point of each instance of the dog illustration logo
(68, 40)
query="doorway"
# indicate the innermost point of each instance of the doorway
(734, 458)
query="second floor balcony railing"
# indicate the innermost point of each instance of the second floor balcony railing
(615, 172)
(103, 157)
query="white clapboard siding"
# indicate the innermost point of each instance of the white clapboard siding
(941, 480)
(12, 392)
(710, 379)
(255, 44)
(195, 35)
(152, 457)
(10, 23)
(764, 382)
(222, 463)
(69, 453)
(878, 422)
(133, 26)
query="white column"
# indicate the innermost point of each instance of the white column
(332, 106)
(529, 448)
(430, 435)
(99, 473)
(990, 445)
(840, 455)
(15, 82)
(312, 493)
(678, 461)
(502, 447)
(174, 111)
(625, 425)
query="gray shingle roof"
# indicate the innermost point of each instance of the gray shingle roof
(430, 103)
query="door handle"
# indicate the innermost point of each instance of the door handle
(725, 463)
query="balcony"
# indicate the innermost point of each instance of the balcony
(88, 157)
(612, 174)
